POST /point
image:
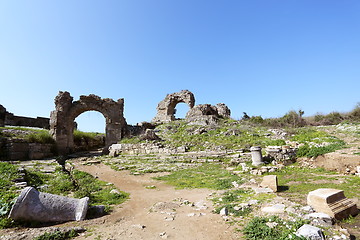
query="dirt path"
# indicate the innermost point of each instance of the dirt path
(155, 213)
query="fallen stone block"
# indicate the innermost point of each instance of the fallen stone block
(332, 202)
(271, 182)
(310, 232)
(32, 205)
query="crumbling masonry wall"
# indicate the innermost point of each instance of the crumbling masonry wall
(62, 119)
(7, 118)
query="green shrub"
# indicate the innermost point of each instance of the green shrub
(307, 151)
(57, 235)
(86, 136)
(41, 136)
(282, 230)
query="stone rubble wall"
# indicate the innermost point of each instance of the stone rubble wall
(142, 148)
(281, 153)
(17, 149)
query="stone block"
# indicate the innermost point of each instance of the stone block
(332, 202)
(310, 232)
(271, 182)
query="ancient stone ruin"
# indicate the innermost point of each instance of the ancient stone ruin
(332, 202)
(62, 118)
(205, 114)
(8, 118)
(2, 115)
(202, 114)
(166, 108)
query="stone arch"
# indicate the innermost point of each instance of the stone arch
(62, 119)
(166, 108)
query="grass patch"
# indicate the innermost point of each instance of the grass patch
(41, 136)
(31, 135)
(211, 176)
(300, 181)
(57, 235)
(308, 151)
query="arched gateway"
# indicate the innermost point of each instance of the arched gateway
(62, 118)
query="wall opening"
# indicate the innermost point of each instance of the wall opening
(90, 132)
(180, 110)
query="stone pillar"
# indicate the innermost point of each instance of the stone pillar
(32, 205)
(256, 156)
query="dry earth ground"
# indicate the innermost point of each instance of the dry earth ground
(155, 213)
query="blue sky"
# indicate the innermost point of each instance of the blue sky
(263, 57)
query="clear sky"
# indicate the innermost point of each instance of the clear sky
(263, 57)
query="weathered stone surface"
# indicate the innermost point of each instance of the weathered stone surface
(2, 115)
(276, 208)
(7, 118)
(332, 202)
(281, 154)
(32, 205)
(166, 108)
(270, 181)
(149, 135)
(256, 156)
(320, 219)
(62, 118)
(310, 232)
(142, 148)
(223, 110)
(206, 114)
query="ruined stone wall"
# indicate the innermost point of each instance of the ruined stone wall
(18, 149)
(2, 115)
(39, 122)
(7, 118)
(142, 148)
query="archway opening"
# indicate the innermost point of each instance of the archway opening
(180, 110)
(89, 131)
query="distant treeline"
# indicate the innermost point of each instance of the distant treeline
(296, 119)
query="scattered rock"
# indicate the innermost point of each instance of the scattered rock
(276, 208)
(115, 191)
(224, 212)
(320, 219)
(310, 232)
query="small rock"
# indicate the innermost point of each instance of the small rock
(21, 184)
(253, 202)
(276, 208)
(310, 232)
(271, 224)
(224, 212)
(114, 191)
(307, 209)
(163, 235)
(191, 215)
(320, 218)
(171, 218)
(263, 190)
(140, 226)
